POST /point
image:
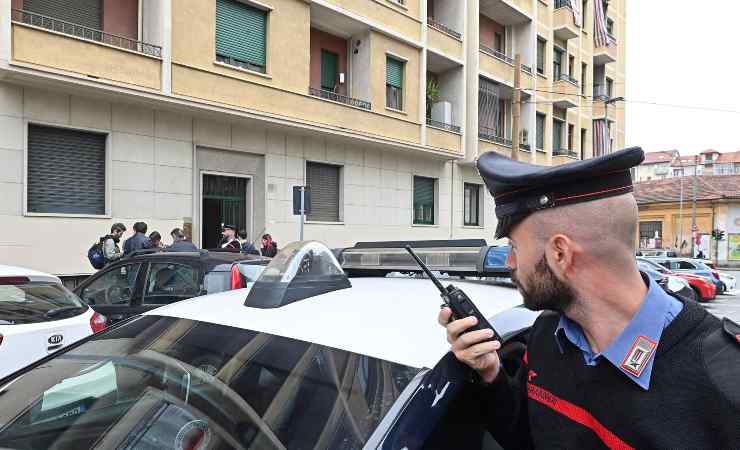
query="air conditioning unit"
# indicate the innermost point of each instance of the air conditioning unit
(524, 136)
(442, 112)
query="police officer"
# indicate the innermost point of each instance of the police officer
(614, 361)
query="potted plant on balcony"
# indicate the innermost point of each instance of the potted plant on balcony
(432, 95)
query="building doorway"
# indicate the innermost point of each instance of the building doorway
(224, 200)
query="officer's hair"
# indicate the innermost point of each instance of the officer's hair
(606, 228)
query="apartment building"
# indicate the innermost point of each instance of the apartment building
(667, 164)
(191, 113)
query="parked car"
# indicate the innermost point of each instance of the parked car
(39, 316)
(148, 280)
(667, 281)
(307, 357)
(495, 260)
(659, 253)
(694, 266)
(703, 287)
(728, 280)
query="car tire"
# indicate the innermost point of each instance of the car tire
(698, 295)
(722, 288)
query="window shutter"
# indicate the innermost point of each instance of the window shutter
(394, 72)
(66, 171)
(423, 200)
(323, 180)
(328, 70)
(241, 32)
(540, 131)
(81, 12)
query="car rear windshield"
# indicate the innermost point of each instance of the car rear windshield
(219, 279)
(31, 302)
(159, 382)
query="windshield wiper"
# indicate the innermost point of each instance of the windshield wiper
(56, 311)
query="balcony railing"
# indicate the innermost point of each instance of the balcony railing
(443, 126)
(562, 4)
(333, 96)
(489, 134)
(611, 37)
(525, 147)
(437, 25)
(527, 69)
(600, 93)
(565, 152)
(496, 54)
(568, 78)
(82, 32)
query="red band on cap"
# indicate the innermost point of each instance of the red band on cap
(591, 194)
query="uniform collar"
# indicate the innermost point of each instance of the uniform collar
(633, 351)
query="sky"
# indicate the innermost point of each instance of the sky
(682, 53)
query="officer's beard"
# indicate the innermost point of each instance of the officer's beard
(545, 290)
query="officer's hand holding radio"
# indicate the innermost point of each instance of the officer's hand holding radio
(473, 348)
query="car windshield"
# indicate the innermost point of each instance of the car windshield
(160, 382)
(33, 302)
(653, 265)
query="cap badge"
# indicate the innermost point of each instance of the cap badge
(639, 355)
(544, 200)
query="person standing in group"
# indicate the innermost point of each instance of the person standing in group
(229, 240)
(269, 247)
(111, 250)
(138, 241)
(155, 239)
(246, 245)
(180, 242)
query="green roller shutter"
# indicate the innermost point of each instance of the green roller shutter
(81, 12)
(323, 181)
(328, 70)
(66, 171)
(241, 32)
(424, 200)
(394, 72)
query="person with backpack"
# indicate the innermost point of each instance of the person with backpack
(247, 247)
(138, 241)
(269, 247)
(106, 250)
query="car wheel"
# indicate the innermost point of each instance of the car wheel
(722, 288)
(698, 295)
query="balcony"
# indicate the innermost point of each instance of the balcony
(563, 23)
(44, 41)
(334, 97)
(444, 39)
(604, 110)
(566, 92)
(439, 26)
(507, 12)
(443, 126)
(563, 156)
(606, 54)
(497, 64)
(492, 135)
(444, 136)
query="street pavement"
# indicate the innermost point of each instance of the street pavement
(726, 305)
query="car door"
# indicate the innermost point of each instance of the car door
(113, 292)
(168, 282)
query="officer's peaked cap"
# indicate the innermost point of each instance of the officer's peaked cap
(520, 189)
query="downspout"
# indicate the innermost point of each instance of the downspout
(452, 199)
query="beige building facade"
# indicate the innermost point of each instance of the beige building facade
(162, 112)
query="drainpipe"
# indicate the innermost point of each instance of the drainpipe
(452, 198)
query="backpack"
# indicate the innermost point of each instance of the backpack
(95, 254)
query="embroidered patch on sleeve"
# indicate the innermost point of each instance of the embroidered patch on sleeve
(639, 355)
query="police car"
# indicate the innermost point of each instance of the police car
(38, 316)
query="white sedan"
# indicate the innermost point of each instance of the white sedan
(38, 316)
(728, 280)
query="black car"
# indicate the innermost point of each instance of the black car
(147, 280)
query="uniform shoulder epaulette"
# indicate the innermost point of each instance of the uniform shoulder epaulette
(720, 351)
(732, 329)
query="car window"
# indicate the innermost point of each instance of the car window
(29, 302)
(158, 380)
(114, 287)
(685, 265)
(168, 282)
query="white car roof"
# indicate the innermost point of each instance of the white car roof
(34, 275)
(394, 319)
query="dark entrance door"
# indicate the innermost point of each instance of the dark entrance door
(224, 201)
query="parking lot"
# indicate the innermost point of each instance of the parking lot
(726, 305)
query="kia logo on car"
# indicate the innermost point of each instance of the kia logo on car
(55, 339)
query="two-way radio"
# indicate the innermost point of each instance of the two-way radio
(458, 302)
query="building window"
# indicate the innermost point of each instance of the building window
(571, 132)
(583, 142)
(584, 73)
(424, 200)
(557, 135)
(649, 231)
(610, 26)
(571, 66)
(540, 131)
(498, 42)
(66, 171)
(471, 204)
(324, 181)
(557, 62)
(241, 35)
(584, 10)
(609, 87)
(394, 83)
(677, 172)
(541, 48)
(328, 70)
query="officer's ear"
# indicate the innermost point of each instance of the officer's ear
(560, 251)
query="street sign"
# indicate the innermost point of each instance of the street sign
(297, 200)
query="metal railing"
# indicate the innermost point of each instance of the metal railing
(489, 134)
(600, 93)
(562, 4)
(443, 126)
(83, 32)
(333, 96)
(525, 147)
(565, 152)
(496, 54)
(568, 78)
(437, 25)
(611, 37)
(527, 69)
